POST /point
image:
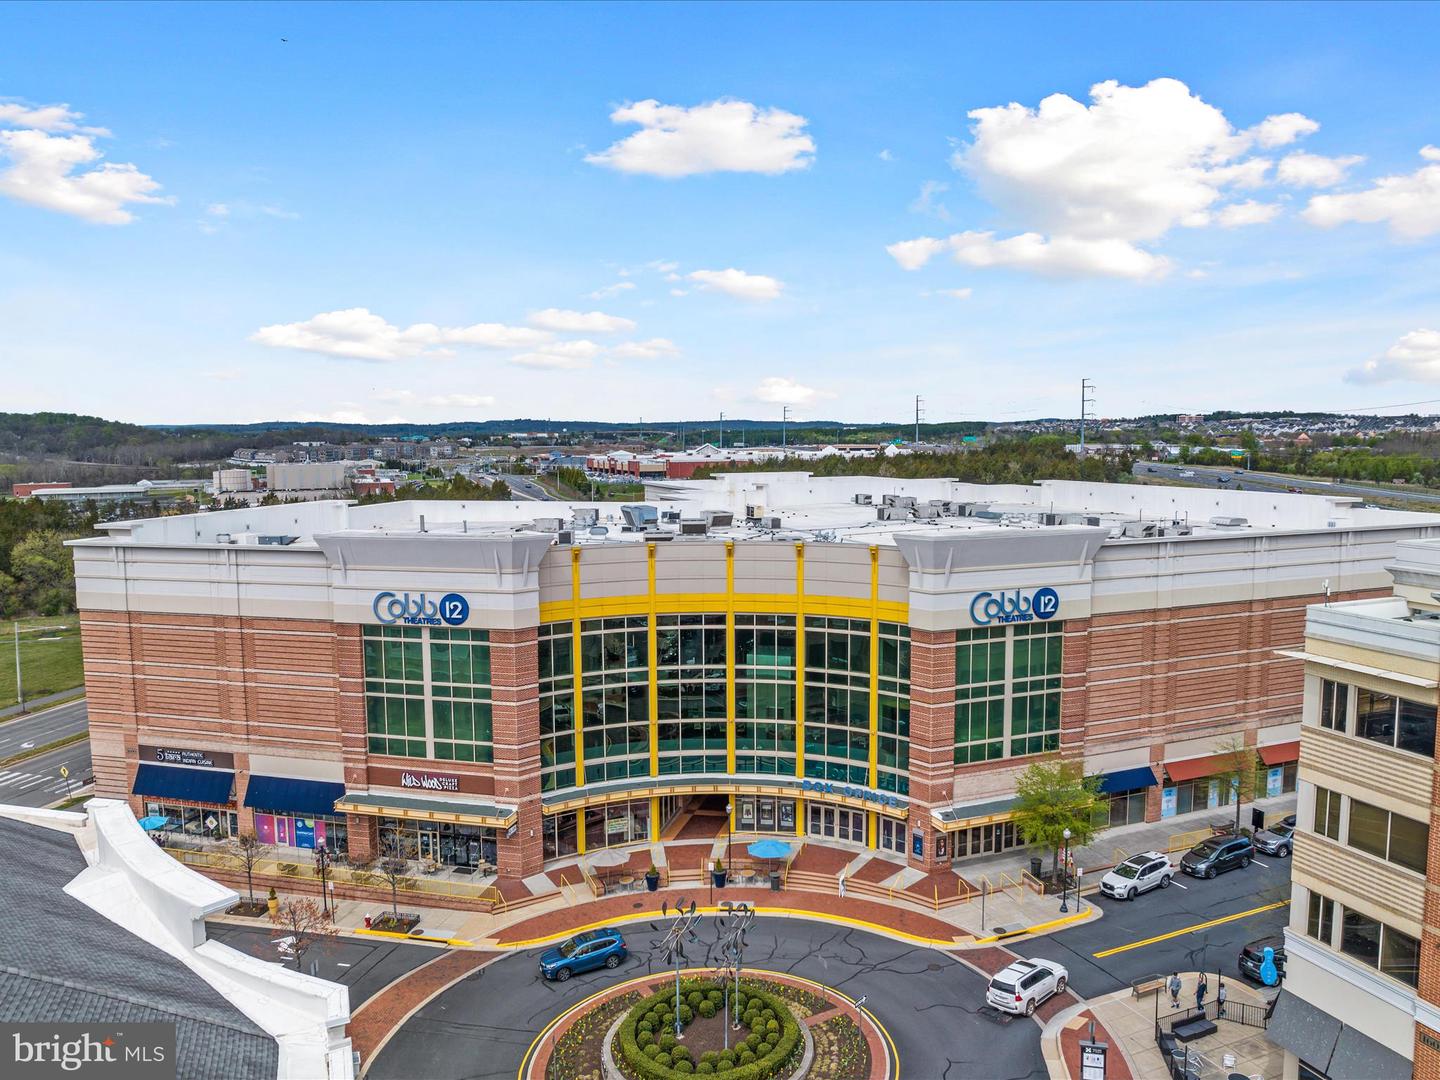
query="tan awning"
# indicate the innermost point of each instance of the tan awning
(379, 804)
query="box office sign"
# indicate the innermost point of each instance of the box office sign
(434, 783)
(175, 755)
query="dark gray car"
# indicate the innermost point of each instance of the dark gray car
(1216, 855)
(1276, 840)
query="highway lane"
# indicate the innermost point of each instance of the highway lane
(930, 1003)
(39, 728)
(37, 781)
(1210, 476)
(523, 488)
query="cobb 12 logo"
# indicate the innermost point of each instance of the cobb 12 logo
(1014, 606)
(389, 608)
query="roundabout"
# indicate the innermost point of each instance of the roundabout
(927, 1007)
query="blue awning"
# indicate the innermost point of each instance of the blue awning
(308, 798)
(1127, 780)
(186, 785)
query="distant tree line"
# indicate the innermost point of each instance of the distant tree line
(37, 572)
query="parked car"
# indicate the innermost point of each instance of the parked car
(583, 952)
(1253, 955)
(1216, 855)
(1277, 840)
(1137, 874)
(1026, 984)
(1288, 820)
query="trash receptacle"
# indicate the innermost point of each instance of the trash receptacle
(774, 880)
(1035, 867)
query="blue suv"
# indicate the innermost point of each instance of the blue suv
(583, 952)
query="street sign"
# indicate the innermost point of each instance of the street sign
(1092, 1060)
(64, 772)
(210, 822)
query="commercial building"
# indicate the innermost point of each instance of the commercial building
(861, 660)
(1362, 985)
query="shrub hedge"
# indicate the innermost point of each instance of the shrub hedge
(774, 1035)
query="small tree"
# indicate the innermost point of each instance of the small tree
(395, 872)
(1237, 772)
(249, 849)
(303, 922)
(1052, 796)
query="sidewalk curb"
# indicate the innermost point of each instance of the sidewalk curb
(1092, 912)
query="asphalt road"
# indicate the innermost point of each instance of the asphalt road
(40, 728)
(481, 1028)
(1161, 911)
(365, 965)
(523, 488)
(37, 781)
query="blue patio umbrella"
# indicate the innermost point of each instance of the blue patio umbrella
(153, 822)
(769, 849)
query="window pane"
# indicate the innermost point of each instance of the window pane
(1368, 825)
(1375, 716)
(1409, 842)
(1360, 938)
(1400, 957)
(1417, 728)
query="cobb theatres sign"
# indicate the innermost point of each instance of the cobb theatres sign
(849, 791)
(1014, 606)
(417, 609)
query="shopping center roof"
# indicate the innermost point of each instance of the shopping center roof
(788, 506)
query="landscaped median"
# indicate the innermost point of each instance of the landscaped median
(788, 1027)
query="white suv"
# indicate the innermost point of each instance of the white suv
(1137, 874)
(1025, 984)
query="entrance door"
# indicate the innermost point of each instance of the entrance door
(430, 844)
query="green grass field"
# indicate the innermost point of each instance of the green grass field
(49, 657)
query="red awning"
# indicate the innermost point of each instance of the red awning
(1194, 768)
(1280, 753)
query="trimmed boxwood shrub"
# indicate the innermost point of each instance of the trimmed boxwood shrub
(766, 1051)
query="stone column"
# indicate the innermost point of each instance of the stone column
(932, 737)
(515, 689)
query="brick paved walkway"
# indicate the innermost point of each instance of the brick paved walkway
(1116, 1067)
(381, 1014)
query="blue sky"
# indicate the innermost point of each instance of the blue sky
(616, 211)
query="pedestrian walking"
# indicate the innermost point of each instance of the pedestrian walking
(841, 881)
(1175, 990)
(1220, 995)
(1202, 987)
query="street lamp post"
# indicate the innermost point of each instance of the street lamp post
(729, 829)
(322, 865)
(1065, 874)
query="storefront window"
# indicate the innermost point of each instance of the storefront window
(615, 682)
(765, 694)
(557, 707)
(290, 830)
(765, 814)
(210, 823)
(690, 674)
(617, 823)
(1122, 807)
(465, 847)
(986, 839)
(560, 836)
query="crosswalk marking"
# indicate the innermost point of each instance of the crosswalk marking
(14, 778)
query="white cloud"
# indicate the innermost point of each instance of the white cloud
(1249, 212)
(679, 292)
(738, 283)
(778, 390)
(653, 349)
(926, 202)
(719, 136)
(50, 118)
(1090, 184)
(1282, 130)
(1409, 204)
(663, 266)
(1058, 256)
(360, 334)
(1314, 170)
(559, 355)
(60, 172)
(610, 290)
(957, 294)
(885, 155)
(913, 254)
(218, 209)
(580, 322)
(435, 401)
(1415, 358)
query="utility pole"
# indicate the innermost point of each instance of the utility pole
(722, 431)
(19, 686)
(784, 417)
(1087, 399)
(919, 412)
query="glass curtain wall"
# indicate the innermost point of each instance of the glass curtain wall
(615, 701)
(1007, 691)
(690, 678)
(837, 699)
(557, 706)
(765, 694)
(893, 751)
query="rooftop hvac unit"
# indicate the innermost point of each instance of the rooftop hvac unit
(1092, 520)
(694, 528)
(1178, 529)
(564, 536)
(670, 517)
(586, 516)
(599, 530)
(891, 513)
(277, 541)
(1229, 522)
(864, 498)
(224, 538)
(927, 512)
(656, 534)
(640, 516)
(889, 500)
(770, 522)
(720, 519)
(1140, 530)
(905, 502)
(1049, 519)
(988, 515)
(548, 524)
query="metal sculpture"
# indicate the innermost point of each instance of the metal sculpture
(731, 925)
(671, 947)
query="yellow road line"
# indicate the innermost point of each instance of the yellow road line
(458, 942)
(802, 913)
(1039, 927)
(1189, 930)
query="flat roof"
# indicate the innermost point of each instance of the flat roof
(790, 506)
